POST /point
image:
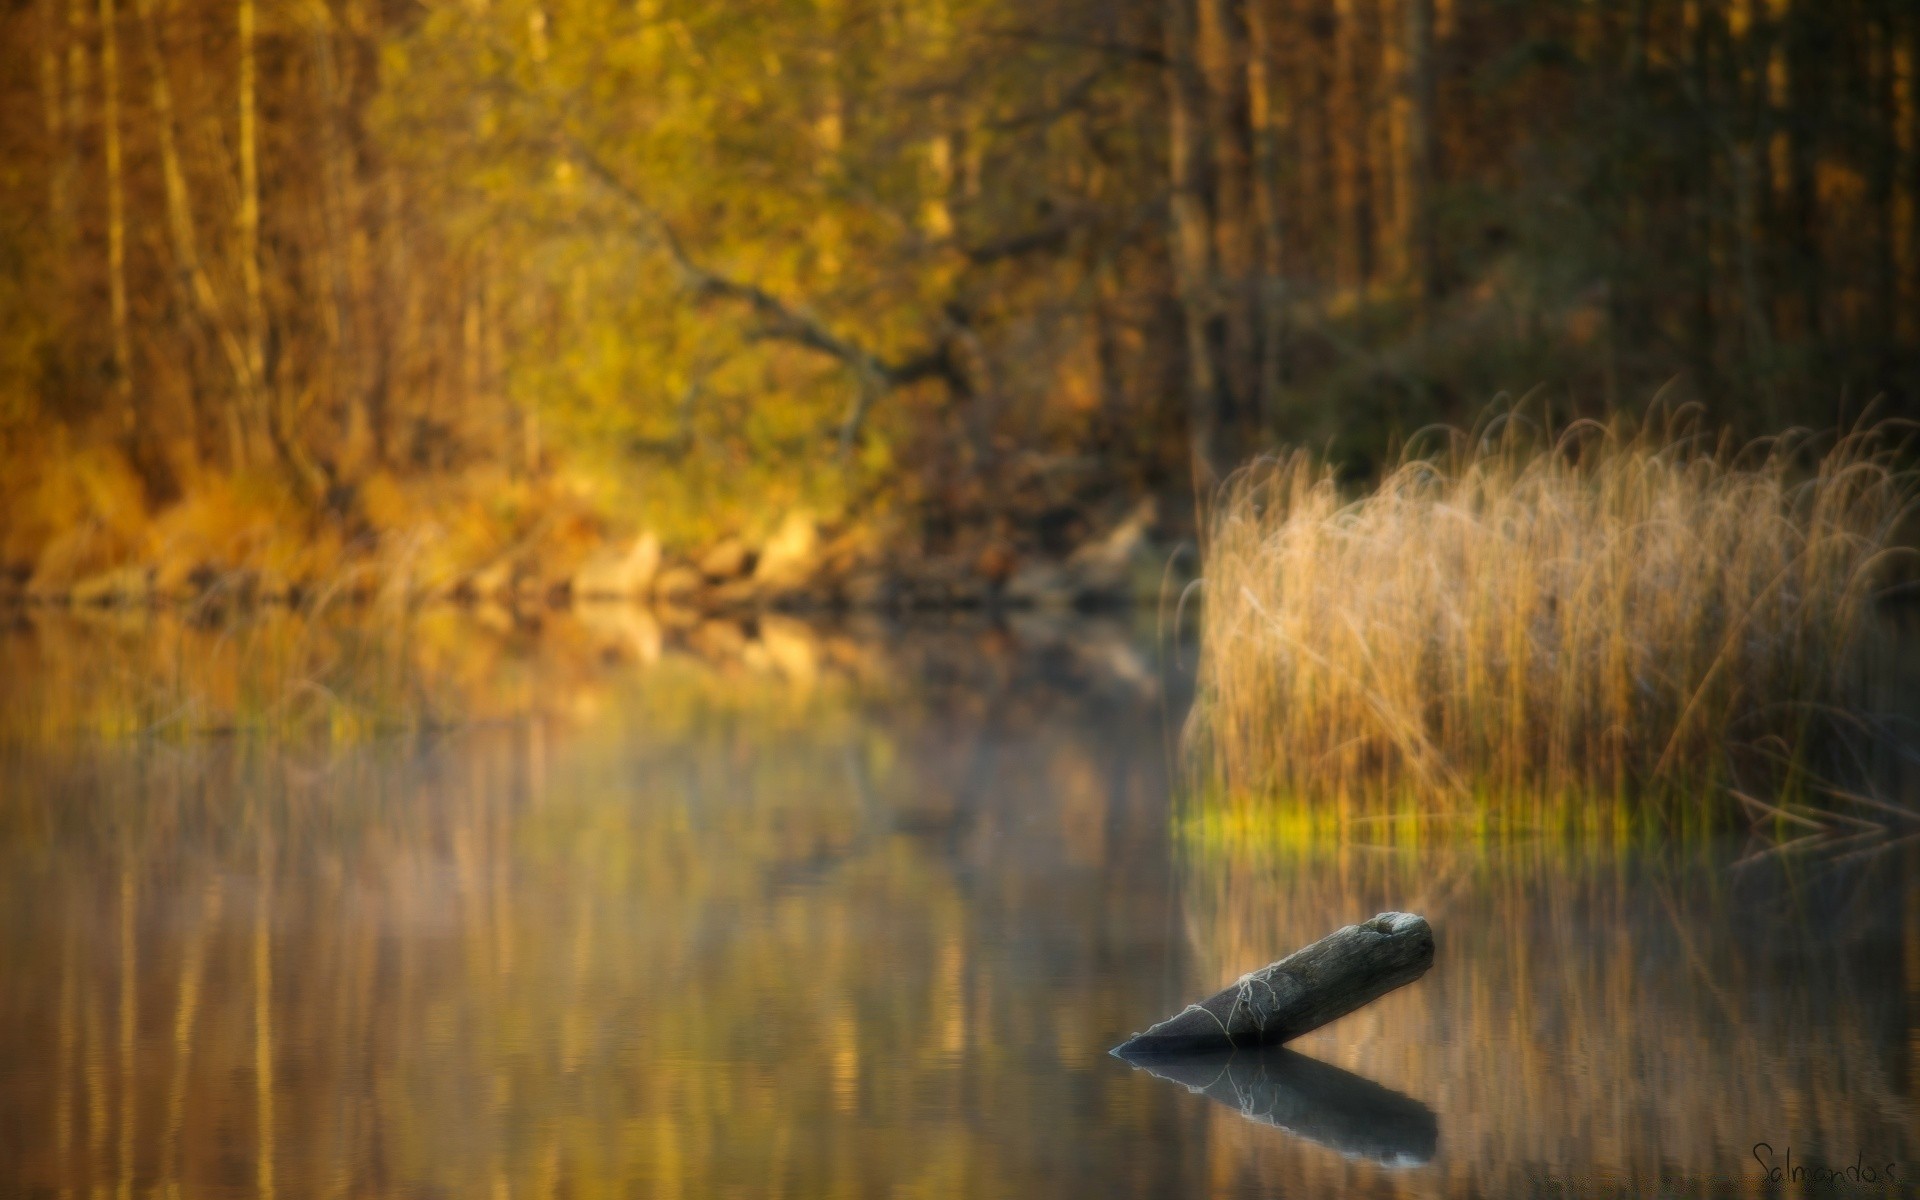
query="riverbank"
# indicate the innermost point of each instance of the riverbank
(801, 564)
(358, 674)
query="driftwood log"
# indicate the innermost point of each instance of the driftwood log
(1310, 1099)
(1300, 993)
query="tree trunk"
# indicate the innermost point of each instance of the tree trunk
(1884, 154)
(1325, 152)
(343, 370)
(189, 267)
(1804, 92)
(1354, 82)
(1700, 184)
(1270, 295)
(1224, 35)
(1191, 236)
(125, 415)
(1316, 984)
(1913, 179)
(53, 102)
(249, 223)
(1420, 155)
(79, 85)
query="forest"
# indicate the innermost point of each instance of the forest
(687, 598)
(293, 284)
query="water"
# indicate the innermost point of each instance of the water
(785, 914)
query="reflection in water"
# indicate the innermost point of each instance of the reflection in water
(1616, 1019)
(863, 924)
(725, 936)
(1337, 1109)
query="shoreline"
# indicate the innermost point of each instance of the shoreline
(936, 589)
(794, 570)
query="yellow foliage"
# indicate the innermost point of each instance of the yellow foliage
(246, 523)
(76, 509)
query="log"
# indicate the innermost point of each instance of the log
(1316, 1101)
(1300, 993)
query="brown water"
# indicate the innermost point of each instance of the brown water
(862, 919)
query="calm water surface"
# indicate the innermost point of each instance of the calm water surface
(787, 914)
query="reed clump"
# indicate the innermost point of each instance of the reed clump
(1598, 626)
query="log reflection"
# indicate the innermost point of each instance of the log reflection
(1310, 1099)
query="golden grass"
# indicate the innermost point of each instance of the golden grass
(1602, 628)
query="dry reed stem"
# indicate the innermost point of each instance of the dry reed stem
(1523, 624)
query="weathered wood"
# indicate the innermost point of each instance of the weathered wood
(1309, 1099)
(1301, 992)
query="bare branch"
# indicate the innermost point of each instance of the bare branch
(780, 320)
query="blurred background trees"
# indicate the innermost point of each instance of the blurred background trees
(682, 262)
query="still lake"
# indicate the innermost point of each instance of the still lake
(778, 910)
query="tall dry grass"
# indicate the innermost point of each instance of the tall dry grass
(1601, 624)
